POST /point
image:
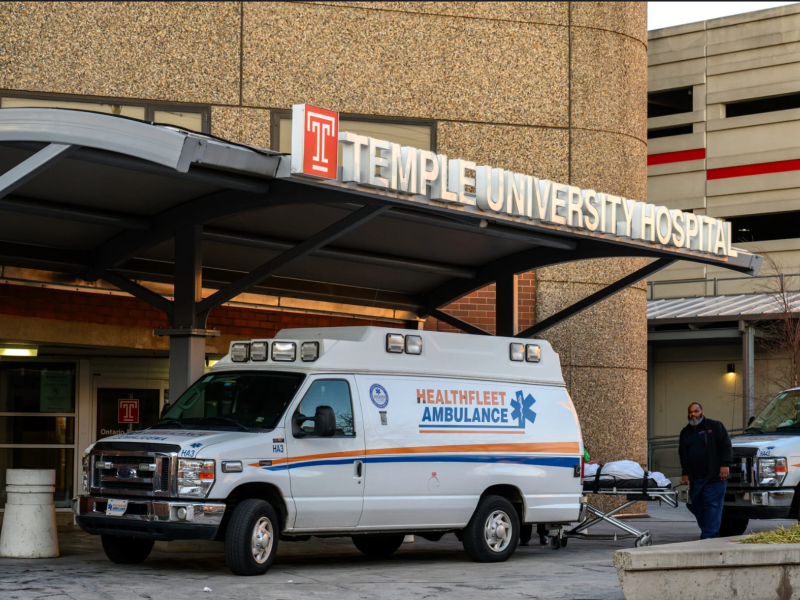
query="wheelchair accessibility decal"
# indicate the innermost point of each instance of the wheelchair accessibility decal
(455, 411)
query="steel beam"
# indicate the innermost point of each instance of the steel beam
(381, 260)
(71, 212)
(28, 256)
(166, 224)
(32, 166)
(458, 323)
(281, 261)
(138, 291)
(599, 296)
(748, 366)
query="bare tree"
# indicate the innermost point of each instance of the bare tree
(780, 333)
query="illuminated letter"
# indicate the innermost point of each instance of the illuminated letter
(378, 163)
(404, 169)
(558, 195)
(592, 220)
(354, 156)
(679, 237)
(439, 189)
(574, 205)
(489, 188)
(427, 168)
(459, 180)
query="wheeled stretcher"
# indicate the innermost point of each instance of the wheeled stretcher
(635, 490)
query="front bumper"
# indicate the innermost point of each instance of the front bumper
(152, 519)
(758, 503)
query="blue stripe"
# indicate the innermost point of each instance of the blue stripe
(544, 461)
(471, 426)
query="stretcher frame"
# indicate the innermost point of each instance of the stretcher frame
(643, 538)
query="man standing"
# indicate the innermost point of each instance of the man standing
(705, 452)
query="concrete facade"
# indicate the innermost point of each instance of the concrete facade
(553, 89)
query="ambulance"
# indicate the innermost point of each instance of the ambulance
(364, 432)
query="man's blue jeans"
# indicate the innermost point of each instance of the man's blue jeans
(707, 498)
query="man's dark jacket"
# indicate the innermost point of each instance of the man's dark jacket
(718, 447)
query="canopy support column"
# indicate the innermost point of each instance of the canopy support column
(506, 305)
(748, 366)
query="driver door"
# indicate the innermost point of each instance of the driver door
(327, 473)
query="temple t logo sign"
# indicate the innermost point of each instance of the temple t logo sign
(316, 142)
(128, 411)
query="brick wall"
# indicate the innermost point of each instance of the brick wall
(110, 309)
(478, 308)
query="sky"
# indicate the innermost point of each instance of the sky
(668, 14)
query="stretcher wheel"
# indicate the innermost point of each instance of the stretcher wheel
(555, 542)
(645, 540)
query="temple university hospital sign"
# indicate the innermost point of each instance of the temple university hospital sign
(424, 176)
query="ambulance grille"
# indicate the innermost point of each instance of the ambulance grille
(119, 473)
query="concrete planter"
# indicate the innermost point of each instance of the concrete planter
(710, 570)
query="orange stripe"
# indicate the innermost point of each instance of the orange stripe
(537, 448)
(479, 432)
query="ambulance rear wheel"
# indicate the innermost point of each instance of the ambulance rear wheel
(492, 533)
(378, 546)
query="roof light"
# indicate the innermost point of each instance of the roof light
(284, 351)
(413, 344)
(533, 353)
(517, 352)
(309, 351)
(259, 351)
(240, 352)
(394, 343)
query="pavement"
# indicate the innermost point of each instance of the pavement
(334, 569)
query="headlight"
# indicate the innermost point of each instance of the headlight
(771, 471)
(195, 477)
(85, 481)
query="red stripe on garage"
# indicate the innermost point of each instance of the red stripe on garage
(673, 157)
(762, 169)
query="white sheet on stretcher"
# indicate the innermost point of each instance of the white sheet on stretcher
(624, 469)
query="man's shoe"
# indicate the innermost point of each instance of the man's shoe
(543, 540)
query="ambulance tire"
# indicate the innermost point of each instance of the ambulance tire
(125, 550)
(251, 540)
(378, 546)
(730, 527)
(475, 538)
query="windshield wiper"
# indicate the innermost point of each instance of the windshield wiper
(227, 420)
(168, 422)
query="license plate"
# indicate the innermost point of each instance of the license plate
(116, 508)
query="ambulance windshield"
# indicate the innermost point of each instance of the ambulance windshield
(234, 400)
(782, 415)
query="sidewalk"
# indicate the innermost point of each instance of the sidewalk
(334, 569)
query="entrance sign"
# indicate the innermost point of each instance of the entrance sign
(128, 411)
(425, 176)
(55, 391)
(317, 139)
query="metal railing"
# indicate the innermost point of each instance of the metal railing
(720, 286)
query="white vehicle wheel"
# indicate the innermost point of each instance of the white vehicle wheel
(262, 540)
(498, 531)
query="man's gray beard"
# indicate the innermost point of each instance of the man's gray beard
(695, 422)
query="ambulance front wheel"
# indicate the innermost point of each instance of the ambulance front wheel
(493, 531)
(251, 540)
(378, 546)
(126, 551)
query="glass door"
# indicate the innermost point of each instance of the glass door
(122, 406)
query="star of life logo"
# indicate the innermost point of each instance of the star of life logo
(315, 141)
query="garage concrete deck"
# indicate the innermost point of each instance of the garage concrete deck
(334, 569)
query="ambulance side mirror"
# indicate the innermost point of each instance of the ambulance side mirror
(324, 423)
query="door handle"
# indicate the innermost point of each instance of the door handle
(357, 464)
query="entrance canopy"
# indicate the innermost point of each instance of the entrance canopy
(110, 198)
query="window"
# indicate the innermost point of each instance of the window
(235, 400)
(191, 117)
(669, 102)
(669, 131)
(408, 132)
(37, 422)
(762, 105)
(761, 228)
(336, 394)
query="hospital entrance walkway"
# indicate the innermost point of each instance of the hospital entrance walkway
(333, 570)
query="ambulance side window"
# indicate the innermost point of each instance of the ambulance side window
(336, 394)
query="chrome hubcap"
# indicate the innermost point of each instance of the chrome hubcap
(498, 531)
(261, 542)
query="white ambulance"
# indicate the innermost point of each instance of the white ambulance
(356, 431)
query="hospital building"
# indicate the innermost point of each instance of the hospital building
(104, 242)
